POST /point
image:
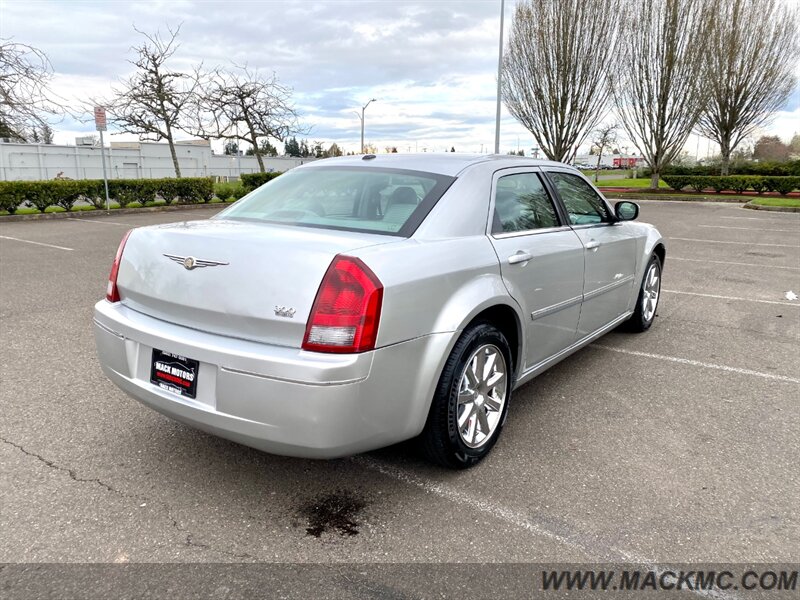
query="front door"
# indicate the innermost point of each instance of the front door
(541, 260)
(610, 251)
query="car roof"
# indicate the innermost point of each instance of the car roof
(445, 163)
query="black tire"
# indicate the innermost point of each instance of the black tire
(640, 321)
(441, 440)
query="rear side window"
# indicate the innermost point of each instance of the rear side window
(521, 203)
(365, 199)
(583, 205)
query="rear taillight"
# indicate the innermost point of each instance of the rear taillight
(112, 293)
(347, 309)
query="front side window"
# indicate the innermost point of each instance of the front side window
(521, 203)
(583, 205)
(365, 199)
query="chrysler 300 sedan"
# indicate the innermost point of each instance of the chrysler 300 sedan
(356, 302)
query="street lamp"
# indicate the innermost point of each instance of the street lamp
(499, 81)
(361, 116)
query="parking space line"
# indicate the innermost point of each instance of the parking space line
(521, 521)
(727, 262)
(96, 222)
(752, 229)
(737, 243)
(502, 513)
(697, 363)
(6, 237)
(782, 219)
(737, 298)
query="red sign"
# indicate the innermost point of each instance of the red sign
(100, 118)
(629, 163)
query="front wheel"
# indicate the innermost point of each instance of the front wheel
(647, 302)
(471, 400)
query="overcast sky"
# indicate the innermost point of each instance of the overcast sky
(431, 64)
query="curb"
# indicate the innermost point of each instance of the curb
(727, 196)
(610, 192)
(785, 209)
(114, 211)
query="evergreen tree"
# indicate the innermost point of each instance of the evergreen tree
(264, 149)
(291, 147)
(47, 134)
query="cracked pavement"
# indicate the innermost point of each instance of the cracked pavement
(605, 453)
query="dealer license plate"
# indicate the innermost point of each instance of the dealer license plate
(175, 373)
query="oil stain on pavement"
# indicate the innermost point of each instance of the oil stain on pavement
(335, 513)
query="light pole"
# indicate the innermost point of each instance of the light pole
(499, 78)
(361, 116)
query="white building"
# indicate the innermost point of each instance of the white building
(19, 161)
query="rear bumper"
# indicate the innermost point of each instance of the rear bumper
(277, 399)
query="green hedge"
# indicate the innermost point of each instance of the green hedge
(65, 193)
(735, 183)
(251, 181)
(767, 169)
(226, 191)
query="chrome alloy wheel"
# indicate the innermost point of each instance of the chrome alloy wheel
(651, 291)
(481, 395)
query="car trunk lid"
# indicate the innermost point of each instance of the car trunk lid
(247, 280)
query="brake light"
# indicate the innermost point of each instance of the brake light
(112, 293)
(347, 309)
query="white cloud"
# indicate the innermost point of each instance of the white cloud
(431, 64)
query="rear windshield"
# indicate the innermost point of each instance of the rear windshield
(390, 201)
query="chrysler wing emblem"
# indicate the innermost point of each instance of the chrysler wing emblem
(190, 262)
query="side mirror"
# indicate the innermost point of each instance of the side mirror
(626, 211)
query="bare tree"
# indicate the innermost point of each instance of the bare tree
(152, 102)
(25, 96)
(658, 84)
(753, 51)
(771, 148)
(245, 106)
(603, 137)
(555, 69)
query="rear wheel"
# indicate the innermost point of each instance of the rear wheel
(471, 401)
(647, 302)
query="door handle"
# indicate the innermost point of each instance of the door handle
(519, 257)
(592, 245)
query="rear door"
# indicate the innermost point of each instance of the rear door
(541, 260)
(610, 250)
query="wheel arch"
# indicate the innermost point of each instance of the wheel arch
(506, 319)
(661, 252)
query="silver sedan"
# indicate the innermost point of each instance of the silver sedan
(357, 302)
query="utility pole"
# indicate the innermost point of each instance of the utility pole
(499, 79)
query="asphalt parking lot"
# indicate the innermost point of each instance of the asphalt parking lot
(678, 445)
